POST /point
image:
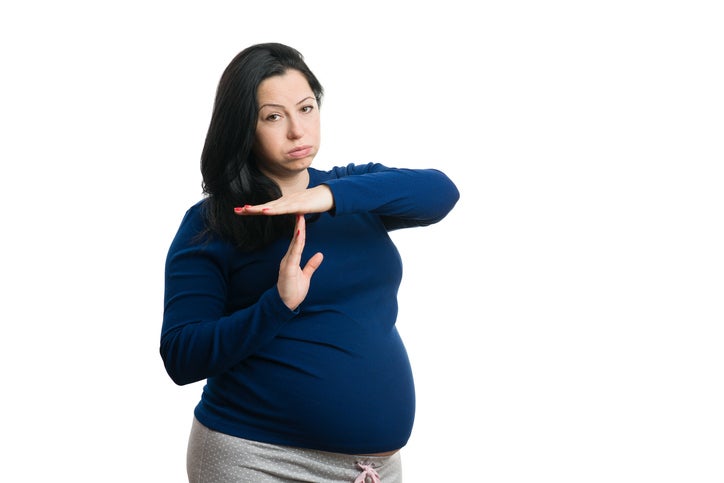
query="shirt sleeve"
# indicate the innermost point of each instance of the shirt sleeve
(401, 197)
(198, 338)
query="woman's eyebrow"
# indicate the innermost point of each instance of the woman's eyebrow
(305, 99)
(271, 104)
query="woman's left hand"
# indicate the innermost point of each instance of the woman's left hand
(313, 200)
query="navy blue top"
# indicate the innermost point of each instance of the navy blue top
(332, 375)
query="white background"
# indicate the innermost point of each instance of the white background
(564, 322)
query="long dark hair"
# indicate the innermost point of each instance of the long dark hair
(231, 176)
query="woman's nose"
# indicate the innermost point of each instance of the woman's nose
(295, 130)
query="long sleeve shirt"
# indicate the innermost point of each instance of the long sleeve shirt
(333, 374)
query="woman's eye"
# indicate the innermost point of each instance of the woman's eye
(273, 117)
(307, 108)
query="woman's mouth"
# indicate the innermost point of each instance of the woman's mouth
(300, 152)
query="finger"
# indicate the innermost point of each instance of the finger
(313, 264)
(301, 226)
(240, 210)
(254, 210)
(297, 244)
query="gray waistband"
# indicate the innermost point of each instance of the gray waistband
(220, 458)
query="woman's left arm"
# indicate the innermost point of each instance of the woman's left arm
(402, 197)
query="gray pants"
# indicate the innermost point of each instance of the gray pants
(215, 457)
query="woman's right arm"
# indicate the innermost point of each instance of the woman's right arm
(198, 338)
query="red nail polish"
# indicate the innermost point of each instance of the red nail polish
(238, 209)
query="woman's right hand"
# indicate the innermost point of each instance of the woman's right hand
(312, 200)
(294, 281)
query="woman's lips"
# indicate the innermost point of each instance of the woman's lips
(300, 152)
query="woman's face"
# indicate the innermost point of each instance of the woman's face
(287, 129)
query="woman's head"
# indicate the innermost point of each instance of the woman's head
(287, 127)
(230, 160)
(228, 150)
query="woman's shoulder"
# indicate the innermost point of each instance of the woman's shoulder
(194, 217)
(193, 229)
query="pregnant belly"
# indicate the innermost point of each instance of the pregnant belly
(359, 401)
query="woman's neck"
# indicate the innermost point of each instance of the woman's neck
(293, 184)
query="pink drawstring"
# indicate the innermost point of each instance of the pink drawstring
(367, 471)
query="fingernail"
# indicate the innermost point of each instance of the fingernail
(238, 209)
(264, 209)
